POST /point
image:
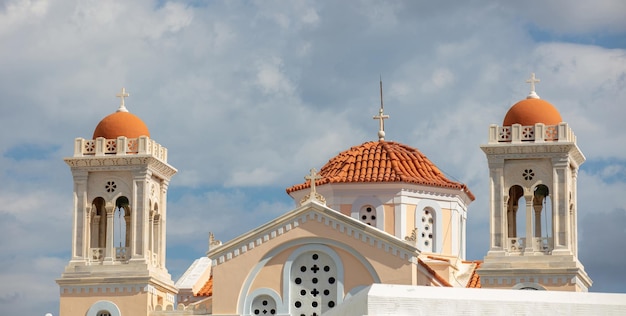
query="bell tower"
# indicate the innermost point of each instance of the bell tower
(533, 166)
(117, 264)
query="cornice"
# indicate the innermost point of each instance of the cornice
(129, 162)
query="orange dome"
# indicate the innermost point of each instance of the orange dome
(531, 111)
(382, 161)
(121, 124)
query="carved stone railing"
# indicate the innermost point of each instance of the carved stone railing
(96, 254)
(119, 146)
(542, 244)
(154, 258)
(538, 244)
(537, 133)
(122, 253)
(517, 244)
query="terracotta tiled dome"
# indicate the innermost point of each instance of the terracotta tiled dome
(382, 161)
(121, 124)
(531, 111)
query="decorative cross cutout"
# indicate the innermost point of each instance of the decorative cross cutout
(532, 81)
(122, 95)
(315, 292)
(315, 268)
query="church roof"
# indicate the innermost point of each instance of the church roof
(207, 289)
(121, 123)
(382, 161)
(474, 281)
(532, 110)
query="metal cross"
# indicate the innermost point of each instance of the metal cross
(381, 117)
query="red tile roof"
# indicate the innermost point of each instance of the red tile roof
(474, 281)
(207, 289)
(382, 161)
(434, 273)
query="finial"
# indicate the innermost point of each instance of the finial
(213, 242)
(313, 195)
(381, 115)
(122, 95)
(532, 81)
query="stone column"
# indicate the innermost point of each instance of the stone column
(80, 205)
(497, 205)
(560, 205)
(109, 251)
(161, 224)
(528, 247)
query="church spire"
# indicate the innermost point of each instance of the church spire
(381, 117)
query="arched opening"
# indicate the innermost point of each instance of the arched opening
(98, 229)
(98, 223)
(121, 237)
(367, 215)
(542, 218)
(428, 232)
(515, 194)
(263, 305)
(516, 221)
(314, 283)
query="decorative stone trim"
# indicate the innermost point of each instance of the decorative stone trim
(340, 226)
(77, 289)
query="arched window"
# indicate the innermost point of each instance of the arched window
(98, 223)
(315, 280)
(428, 229)
(103, 308)
(263, 305)
(122, 221)
(515, 194)
(516, 221)
(542, 218)
(367, 215)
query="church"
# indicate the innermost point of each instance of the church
(378, 230)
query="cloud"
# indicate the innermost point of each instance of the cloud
(581, 17)
(248, 96)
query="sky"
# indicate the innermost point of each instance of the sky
(249, 95)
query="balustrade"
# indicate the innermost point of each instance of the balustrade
(538, 244)
(535, 133)
(122, 253)
(517, 244)
(119, 146)
(97, 254)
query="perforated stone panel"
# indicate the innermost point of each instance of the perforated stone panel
(313, 284)
(263, 305)
(367, 215)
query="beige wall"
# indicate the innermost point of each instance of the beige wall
(77, 304)
(229, 277)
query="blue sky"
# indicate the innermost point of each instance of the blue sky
(249, 95)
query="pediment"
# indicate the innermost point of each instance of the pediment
(319, 215)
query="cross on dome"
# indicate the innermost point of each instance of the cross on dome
(381, 117)
(532, 81)
(122, 95)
